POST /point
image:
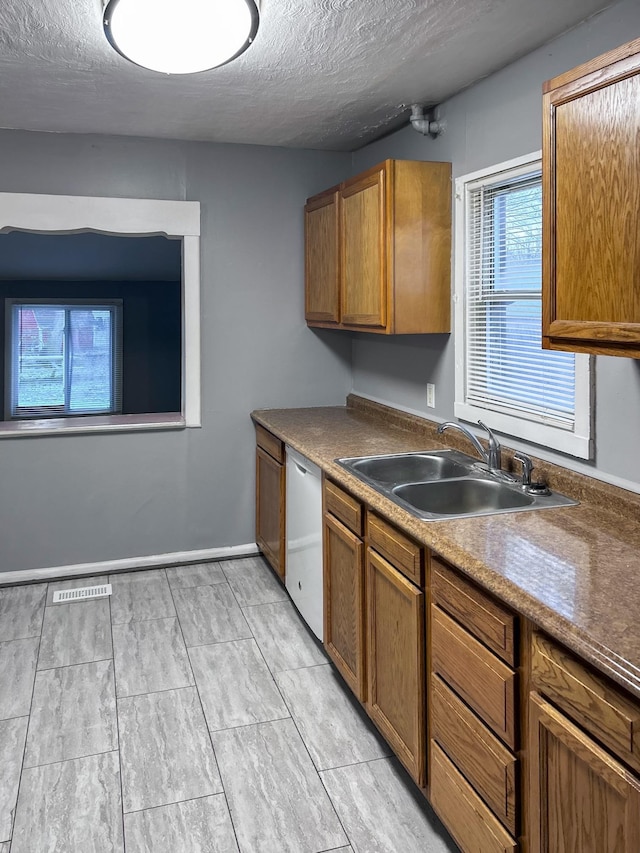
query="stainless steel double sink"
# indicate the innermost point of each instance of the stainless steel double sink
(446, 484)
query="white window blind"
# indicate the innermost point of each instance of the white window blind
(503, 368)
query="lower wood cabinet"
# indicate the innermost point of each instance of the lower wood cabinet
(466, 817)
(374, 624)
(344, 603)
(395, 658)
(581, 800)
(270, 500)
(461, 740)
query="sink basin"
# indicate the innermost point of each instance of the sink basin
(462, 497)
(410, 468)
(445, 484)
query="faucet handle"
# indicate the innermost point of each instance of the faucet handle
(527, 467)
(494, 448)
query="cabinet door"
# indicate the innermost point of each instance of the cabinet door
(322, 294)
(344, 603)
(581, 799)
(591, 201)
(270, 509)
(362, 212)
(395, 662)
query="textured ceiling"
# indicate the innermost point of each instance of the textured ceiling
(330, 74)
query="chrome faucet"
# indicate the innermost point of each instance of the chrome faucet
(492, 457)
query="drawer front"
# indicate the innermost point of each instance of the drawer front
(344, 507)
(396, 547)
(492, 623)
(462, 811)
(479, 755)
(482, 680)
(589, 699)
(269, 443)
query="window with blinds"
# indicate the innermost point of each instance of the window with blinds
(501, 365)
(64, 359)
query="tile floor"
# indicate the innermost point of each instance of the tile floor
(191, 711)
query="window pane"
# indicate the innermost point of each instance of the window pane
(39, 334)
(90, 360)
(518, 239)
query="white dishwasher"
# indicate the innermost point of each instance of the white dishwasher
(304, 539)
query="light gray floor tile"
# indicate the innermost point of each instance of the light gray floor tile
(165, 748)
(17, 671)
(75, 633)
(73, 583)
(138, 596)
(277, 801)
(235, 685)
(283, 639)
(12, 738)
(4, 848)
(381, 811)
(334, 730)
(199, 574)
(150, 656)
(21, 609)
(70, 807)
(210, 614)
(73, 713)
(197, 826)
(253, 582)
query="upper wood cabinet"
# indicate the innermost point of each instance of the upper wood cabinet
(322, 295)
(591, 204)
(378, 251)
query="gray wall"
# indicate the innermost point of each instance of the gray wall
(76, 499)
(495, 120)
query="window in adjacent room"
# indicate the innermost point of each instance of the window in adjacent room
(99, 314)
(538, 395)
(63, 359)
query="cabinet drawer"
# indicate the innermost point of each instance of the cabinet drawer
(589, 699)
(485, 683)
(462, 811)
(396, 547)
(489, 621)
(344, 507)
(483, 760)
(269, 443)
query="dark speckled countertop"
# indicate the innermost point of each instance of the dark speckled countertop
(574, 571)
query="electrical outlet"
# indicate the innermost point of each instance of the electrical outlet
(431, 395)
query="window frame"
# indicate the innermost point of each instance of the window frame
(577, 442)
(113, 305)
(60, 214)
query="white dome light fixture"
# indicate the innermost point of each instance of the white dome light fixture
(181, 36)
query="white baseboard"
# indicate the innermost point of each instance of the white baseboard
(107, 567)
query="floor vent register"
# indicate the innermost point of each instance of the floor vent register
(81, 593)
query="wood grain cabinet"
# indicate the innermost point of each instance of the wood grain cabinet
(591, 201)
(322, 274)
(584, 742)
(270, 499)
(581, 799)
(344, 638)
(474, 722)
(374, 622)
(378, 251)
(395, 662)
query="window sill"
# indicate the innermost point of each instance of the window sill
(94, 423)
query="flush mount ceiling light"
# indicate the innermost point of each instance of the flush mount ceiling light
(180, 36)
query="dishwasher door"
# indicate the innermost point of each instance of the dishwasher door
(304, 539)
